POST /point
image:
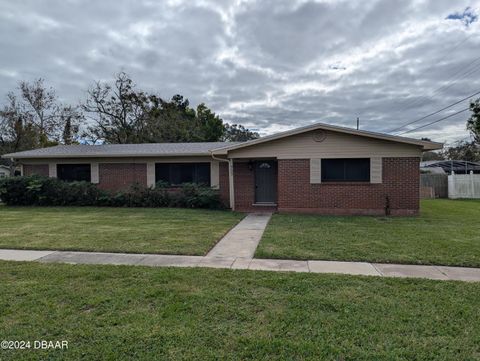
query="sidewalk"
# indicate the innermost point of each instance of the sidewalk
(243, 239)
(349, 268)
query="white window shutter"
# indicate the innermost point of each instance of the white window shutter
(52, 170)
(151, 174)
(215, 174)
(94, 173)
(315, 171)
(376, 170)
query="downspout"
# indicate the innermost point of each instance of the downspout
(231, 188)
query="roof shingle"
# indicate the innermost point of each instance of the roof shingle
(121, 150)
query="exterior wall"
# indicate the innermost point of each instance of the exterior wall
(38, 169)
(335, 145)
(244, 184)
(224, 183)
(400, 185)
(120, 176)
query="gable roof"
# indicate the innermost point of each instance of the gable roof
(426, 145)
(121, 150)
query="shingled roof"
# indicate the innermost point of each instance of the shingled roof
(122, 150)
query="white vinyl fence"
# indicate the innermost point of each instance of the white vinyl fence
(464, 186)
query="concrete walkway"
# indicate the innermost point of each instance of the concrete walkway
(350, 268)
(243, 239)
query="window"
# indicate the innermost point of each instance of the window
(74, 172)
(177, 173)
(346, 170)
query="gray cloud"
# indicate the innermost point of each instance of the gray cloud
(271, 65)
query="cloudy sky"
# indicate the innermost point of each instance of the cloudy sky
(270, 65)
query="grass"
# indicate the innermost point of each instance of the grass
(142, 230)
(446, 233)
(125, 312)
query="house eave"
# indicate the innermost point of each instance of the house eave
(136, 155)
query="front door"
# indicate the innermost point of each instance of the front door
(265, 181)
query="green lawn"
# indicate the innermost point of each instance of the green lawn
(446, 233)
(125, 312)
(142, 230)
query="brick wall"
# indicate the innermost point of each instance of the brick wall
(244, 183)
(120, 176)
(224, 184)
(400, 185)
(38, 169)
(398, 193)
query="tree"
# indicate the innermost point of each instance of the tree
(473, 123)
(70, 117)
(34, 118)
(124, 114)
(431, 156)
(17, 132)
(468, 151)
(211, 127)
(238, 133)
(41, 104)
(117, 111)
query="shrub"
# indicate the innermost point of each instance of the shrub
(193, 195)
(44, 191)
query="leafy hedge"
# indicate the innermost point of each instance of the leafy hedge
(44, 191)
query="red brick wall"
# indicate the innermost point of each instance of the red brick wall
(400, 184)
(244, 183)
(224, 184)
(38, 169)
(120, 176)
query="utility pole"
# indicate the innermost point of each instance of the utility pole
(358, 123)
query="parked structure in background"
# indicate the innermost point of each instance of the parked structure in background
(449, 166)
(4, 171)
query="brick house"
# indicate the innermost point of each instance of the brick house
(314, 169)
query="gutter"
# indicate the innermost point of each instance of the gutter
(231, 189)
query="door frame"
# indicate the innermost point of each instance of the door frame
(274, 180)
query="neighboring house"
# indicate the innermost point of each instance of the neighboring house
(4, 171)
(447, 166)
(316, 169)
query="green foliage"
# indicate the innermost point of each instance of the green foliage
(463, 151)
(193, 195)
(238, 133)
(473, 124)
(124, 114)
(44, 191)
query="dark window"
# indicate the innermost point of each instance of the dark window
(346, 170)
(73, 172)
(178, 173)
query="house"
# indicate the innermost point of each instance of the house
(319, 168)
(4, 171)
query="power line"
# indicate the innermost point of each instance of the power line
(435, 121)
(466, 71)
(436, 112)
